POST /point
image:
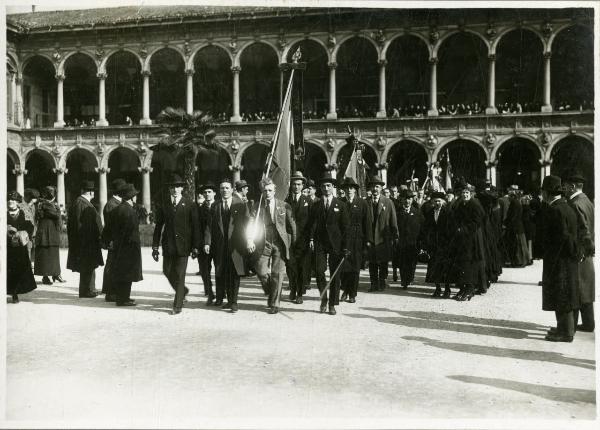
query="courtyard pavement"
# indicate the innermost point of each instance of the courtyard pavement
(389, 359)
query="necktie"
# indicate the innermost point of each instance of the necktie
(326, 204)
(226, 206)
(174, 201)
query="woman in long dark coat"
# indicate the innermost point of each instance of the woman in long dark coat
(19, 277)
(47, 239)
(493, 253)
(516, 244)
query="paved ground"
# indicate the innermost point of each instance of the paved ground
(390, 357)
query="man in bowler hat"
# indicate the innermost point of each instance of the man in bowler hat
(209, 191)
(178, 231)
(84, 230)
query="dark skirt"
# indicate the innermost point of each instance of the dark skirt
(437, 267)
(47, 261)
(19, 277)
(518, 251)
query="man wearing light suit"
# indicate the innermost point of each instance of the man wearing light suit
(275, 234)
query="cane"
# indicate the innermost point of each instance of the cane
(332, 277)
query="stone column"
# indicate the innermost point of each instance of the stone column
(103, 197)
(102, 122)
(146, 99)
(19, 101)
(13, 98)
(189, 105)
(60, 115)
(146, 188)
(547, 106)
(433, 110)
(20, 173)
(491, 171)
(332, 169)
(382, 168)
(236, 170)
(60, 186)
(545, 169)
(236, 94)
(332, 92)
(491, 107)
(382, 112)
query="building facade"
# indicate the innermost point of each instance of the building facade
(504, 95)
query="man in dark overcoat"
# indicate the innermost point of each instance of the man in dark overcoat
(297, 270)
(209, 191)
(225, 237)
(118, 185)
(560, 290)
(435, 239)
(309, 263)
(409, 220)
(274, 232)
(384, 230)
(360, 235)
(178, 231)
(84, 230)
(328, 238)
(584, 209)
(126, 247)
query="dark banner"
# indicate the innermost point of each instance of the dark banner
(298, 150)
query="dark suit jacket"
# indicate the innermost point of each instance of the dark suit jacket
(284, 224)
(84, 230)
(178, 227)
(359, 232)
(384, 228)
(584, 209)
(127, 251)
(329, 228)
(231, 244)
(409, 226)
(111, 204)
(301, 212)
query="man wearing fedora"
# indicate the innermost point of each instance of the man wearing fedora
(384, 228)
(115, 200)
(297, 271)
(360, 235)
(560, 289)
(225, 238)
(241, 190)
(178, 230)
(270, 249)
(126, 265)
(435, 238)
(209, 191)
(328, 239)
(584, 209)
(409, 220)
(84, 231)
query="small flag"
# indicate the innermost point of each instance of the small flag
(281, 164)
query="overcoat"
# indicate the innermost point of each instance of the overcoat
(47, 239)
(514, 238)
(435, 239)
(560, 289)
(19, 277)
(409, 230)
(84, 230)
(111, 204)
(384, 229)
(177, 228)
(126, 245)
(329, 227)
(231, 243)
(359, 233)
(284, 224)
(300, 211)
(465, 243)
(584, 209)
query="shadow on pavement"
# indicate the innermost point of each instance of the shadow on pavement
(520, 354)
(557, 394)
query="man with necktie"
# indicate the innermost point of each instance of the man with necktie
(435, 237)
(177, 225)
(209, 191)
(409, 220)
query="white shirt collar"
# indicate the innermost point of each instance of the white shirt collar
(117, 198)
(555, 199)
(575, 194)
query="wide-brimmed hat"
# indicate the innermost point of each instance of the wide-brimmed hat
(175, 179)
(574, 177)
(375, 180)
(208, 186)
(298, 176)
(240, 184)
(118, 185)
(128, 192)
(14, 195)
(327, 178)
(438, 195)
(88, 186)
(552, 184)
(406, 194)
(350, 182)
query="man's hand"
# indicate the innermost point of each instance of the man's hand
(251, 247)
(207, 249)
(311, 245)
(155, 254)
(194, 253)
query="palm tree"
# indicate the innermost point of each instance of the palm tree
(186, 134)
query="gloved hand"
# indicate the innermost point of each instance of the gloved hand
(155, 254)
(194, 253)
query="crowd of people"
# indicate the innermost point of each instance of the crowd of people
(466, 236)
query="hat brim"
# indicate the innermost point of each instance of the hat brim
(295, 178)
(170, 184)
(371, 183)
(129, 194)
(327, 181)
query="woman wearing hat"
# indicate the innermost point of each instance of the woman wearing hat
(516, 244)
(19, 277)
(47, 239)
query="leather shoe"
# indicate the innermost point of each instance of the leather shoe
(127, 303)
(558, 338)
(447, 293)
(176, 311)
(344, 297)
(210, 301)
(226, 306)
(58, 279)
(46, 281)
(110, 298)
(292, 296)
(332, 310)
(88, 295)
(234, 308)
(299, 300)
(437, 293)
(218, 302)
(585, 329)
(273, 310)
(15, 298)
(352, 300)
(323, 309)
